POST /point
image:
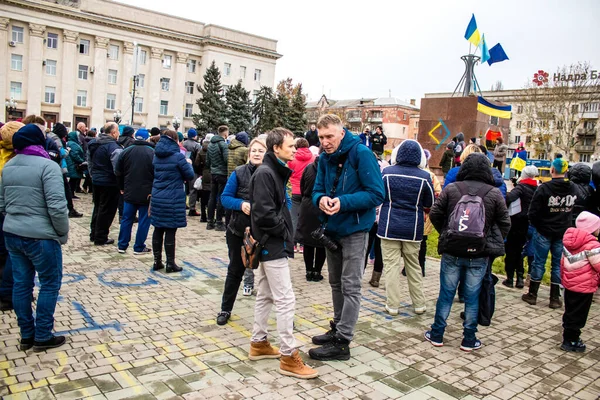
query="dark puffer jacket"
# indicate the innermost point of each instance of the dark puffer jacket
(168, 195)
(408, 190)
(135, 173)
(218, 154)
(103, 155)
(236, 192)
(581, 176)
(200, 167)
(125, 141)
(475, 172)
(308, 221)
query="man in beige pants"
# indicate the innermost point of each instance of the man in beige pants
(271, 224)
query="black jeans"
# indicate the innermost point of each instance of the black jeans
(423, 254)
(74, 185)
(106, 201)
(314, 258)
(498, 164)
(216, 190)
(68, 193)
(235, 271)
(374, 241)
(517, 236)
(577, 307)
(168, 234)
(204, 199)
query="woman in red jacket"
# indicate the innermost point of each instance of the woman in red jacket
(301, 160)
(580, 275)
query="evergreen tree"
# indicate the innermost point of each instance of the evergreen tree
(212, 107)
(282, 110)
(263, 111)
(239, 108)
(297, 119)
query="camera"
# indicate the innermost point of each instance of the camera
(319, 236)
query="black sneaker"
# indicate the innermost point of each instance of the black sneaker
(220, 227)
(337, 349)
(105, 243)
(210, 225)
(470, 346)
(508, 283)
(317, 277)
(55, 341)
(327, 337)
(146, 250)
(26, 344)
(223, 317)
(75, 214)
(309, 276)
(577, 347)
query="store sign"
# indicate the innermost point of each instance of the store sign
(593, 75)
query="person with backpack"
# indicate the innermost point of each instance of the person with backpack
(464, 215)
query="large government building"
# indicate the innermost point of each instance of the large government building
(74, 60)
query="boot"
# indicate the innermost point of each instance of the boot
(294, 366)
(555, 301)
(375, 279)
(158, 264)
(170, 251)
(508, 282)
(337, 349)
(531, 296)
(327, 336)
(519, 284)
(528, 280)
(220, 227)
(210, 225)
(262, 350)
(309, 275)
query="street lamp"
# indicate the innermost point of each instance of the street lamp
(11, 106)
(176, 123)
(117, 116)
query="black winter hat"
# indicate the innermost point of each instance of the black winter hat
(128, 131)
(29, 135)
(60, 130)
(154, 131)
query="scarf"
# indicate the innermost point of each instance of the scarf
(34, 150)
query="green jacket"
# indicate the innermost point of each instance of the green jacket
(217, 156)
(446, 161)
(75, 156)
(238, 155)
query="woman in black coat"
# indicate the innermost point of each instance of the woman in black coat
(308, 221)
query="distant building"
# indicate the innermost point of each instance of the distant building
(392, 114)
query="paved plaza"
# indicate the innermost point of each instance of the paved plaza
(136, 334)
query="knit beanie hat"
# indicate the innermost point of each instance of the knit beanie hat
(586, 221)
(427, 154)
(192, 133)
(142, 134)
(242, 137)
(560, 165)
(180, 137)
(29, 135)
(7, 132)
(530, 172)
(128, 131)
(154, 131)
(60, 130)
(450, 145)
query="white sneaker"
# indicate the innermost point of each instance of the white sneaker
(391, 311)
(420, 310)
(247, 291)
(121, 251)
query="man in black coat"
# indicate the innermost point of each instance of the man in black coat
(135, 175)
(312, 136)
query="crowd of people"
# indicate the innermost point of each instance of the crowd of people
(328, 196)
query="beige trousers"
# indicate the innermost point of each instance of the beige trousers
(273, 283)
(392, 250)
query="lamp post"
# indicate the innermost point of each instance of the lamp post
(135, 78)
(176, 123)
(117, 116)
(11, 106)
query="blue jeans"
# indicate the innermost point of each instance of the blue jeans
(450, 274)
(541, 246)
(28, 257)
(6, 287)
(129, 211)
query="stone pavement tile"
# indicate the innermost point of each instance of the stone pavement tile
(16, 396)
(131, 392)
(79, 393)
(106, 383)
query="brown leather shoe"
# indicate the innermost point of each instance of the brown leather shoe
(262, 350)
(294, 366)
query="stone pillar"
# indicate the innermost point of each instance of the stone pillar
(69, 76)
(178, 105)
(100, 82)
(34, 68)
(4, 89)
(126, 75)
(153, 100)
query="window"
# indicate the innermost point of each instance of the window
(493, 120)
(84, 46)
(517, 138)
(188, 110)
(584, 158)
(416, 124)
(166, 62)
(519, 123)
(82, 98)
(164, 107)
(141, 78)
(52, 41)
(254, 96)
(83, 72)
(50, 94)
(574, 108)
(139, 104)
(589, 125)
(189, 87)
(164, 84)
(16, 62)
(404, 117)
(17, 34)
(112, 76)
(242, 72)
(519, 109)
(191, 66)
(15, 90)
(113, 52)
(143, 57)
(589, 107)
(529, 124)
(51, 67)
(111, 99)
(227, 69)
(560, 124)
(257, 75)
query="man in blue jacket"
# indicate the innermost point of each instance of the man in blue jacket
(347, 190)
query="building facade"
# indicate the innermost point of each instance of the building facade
(392, 114)
(75, 61)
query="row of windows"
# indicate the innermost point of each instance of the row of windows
(575, 108)
(559, 124)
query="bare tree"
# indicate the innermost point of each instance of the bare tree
(555, 105)
(498, 86)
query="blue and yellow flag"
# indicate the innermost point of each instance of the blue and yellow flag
(493, 110)
(472, 33)
(485, 54)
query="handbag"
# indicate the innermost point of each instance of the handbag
(487, 299)
(251, 249)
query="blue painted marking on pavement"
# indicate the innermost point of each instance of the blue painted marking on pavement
(182, 276)
(90, 321)
(220, 261)
(401, 313)
(74, 278)
(381, 313)
(383, 297)
(205, 272)
(102, 278)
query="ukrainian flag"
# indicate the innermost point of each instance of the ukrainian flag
(493, 110)
(472, 33)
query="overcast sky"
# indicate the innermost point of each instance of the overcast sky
(365, 49)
